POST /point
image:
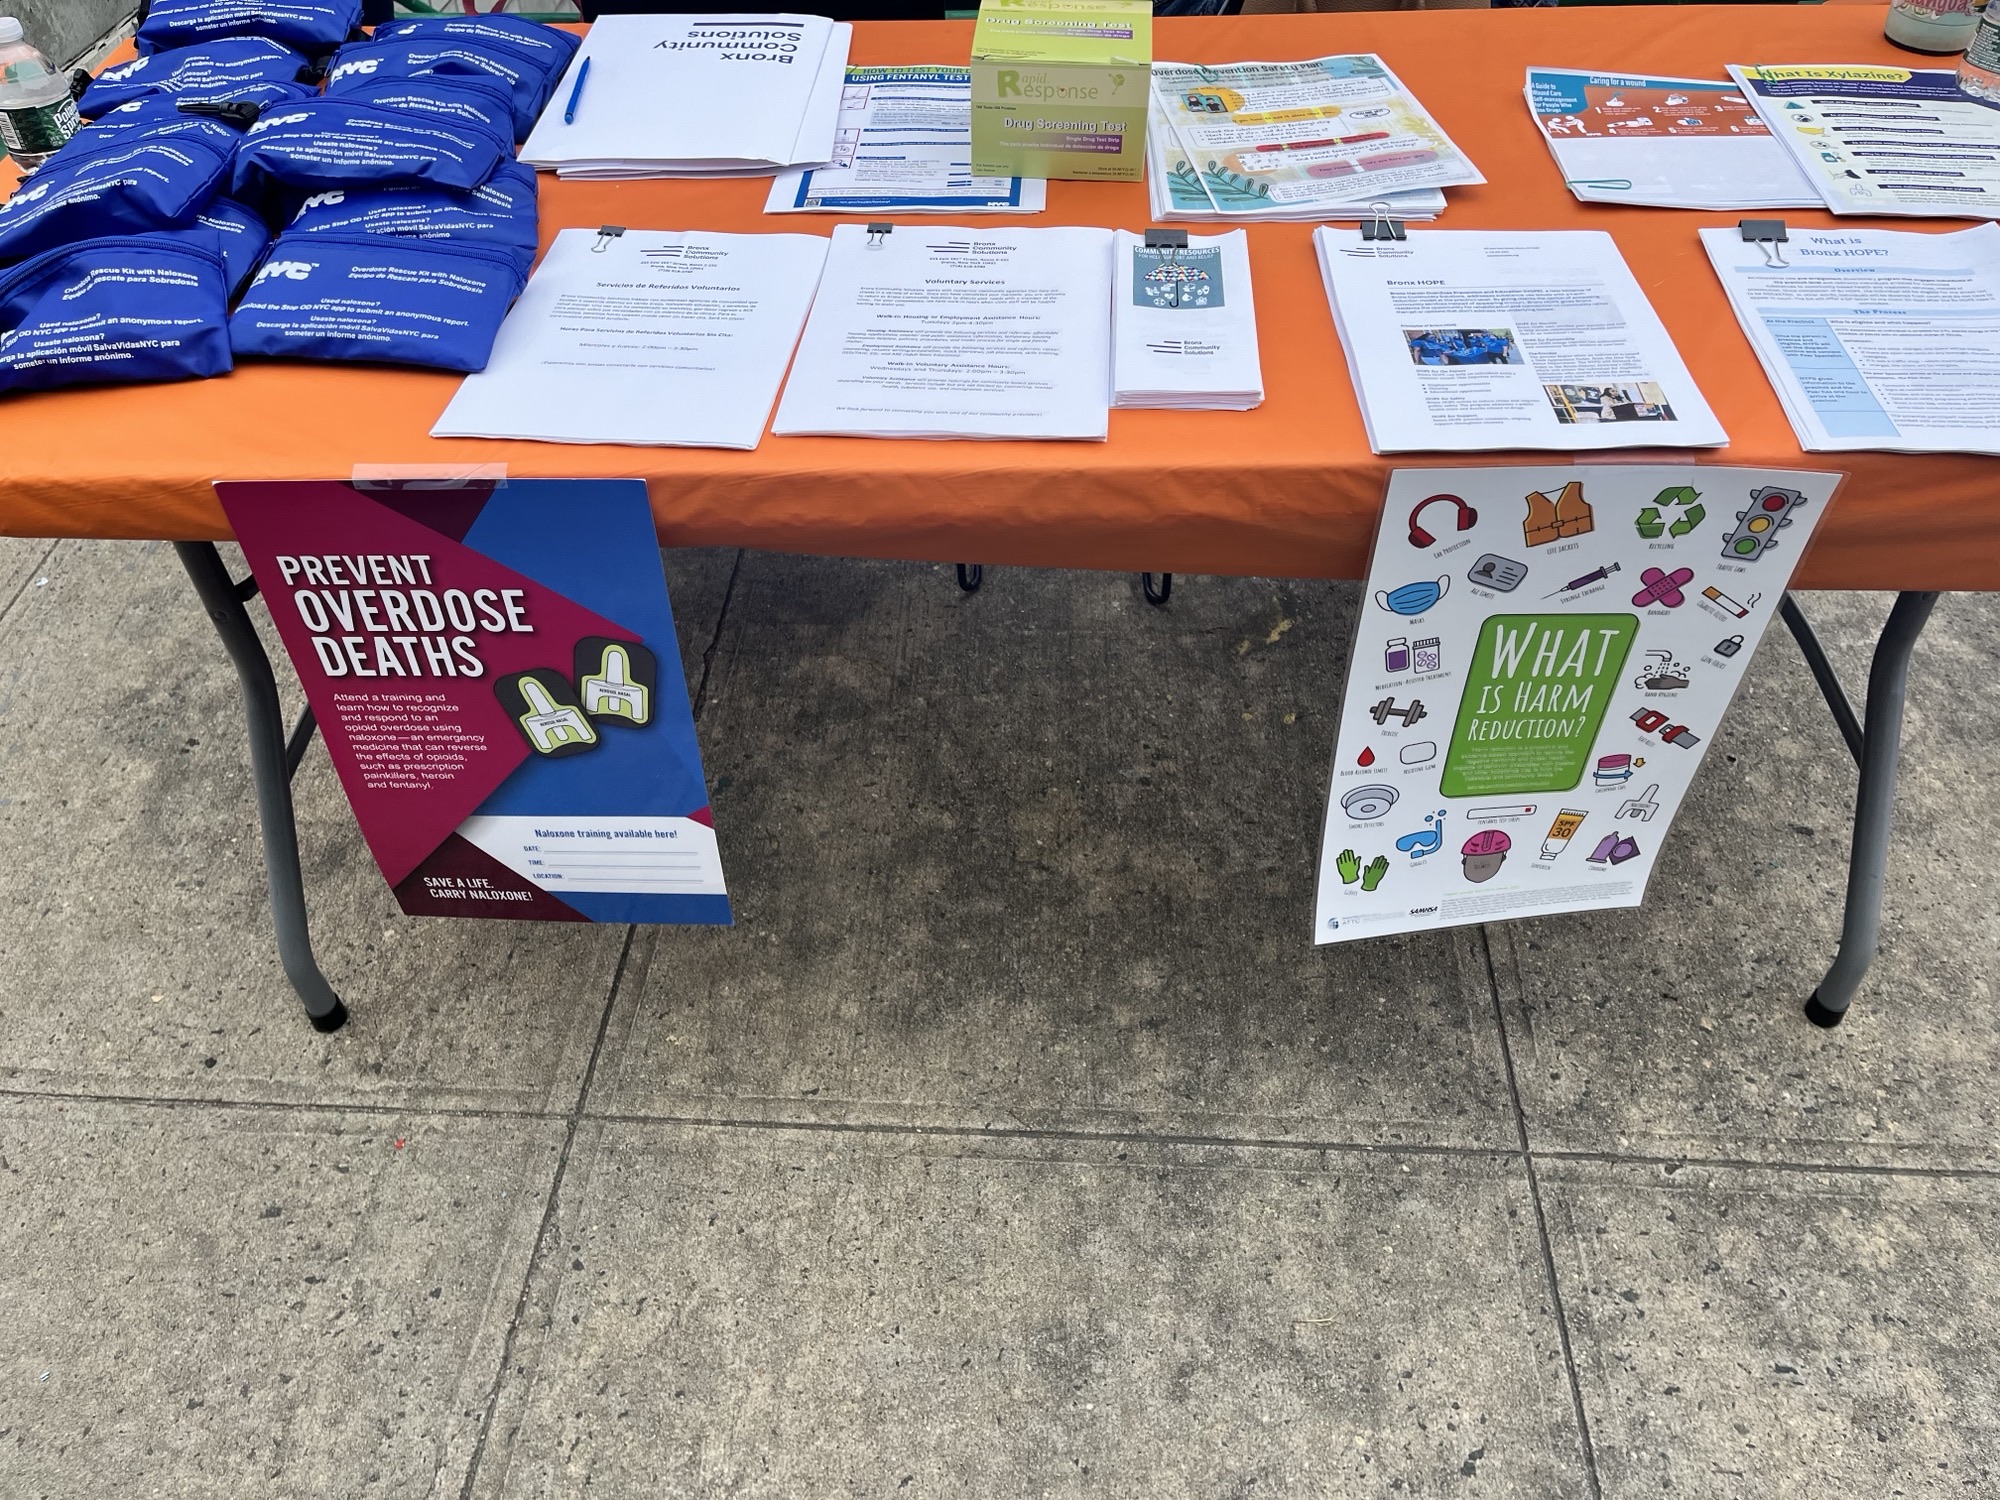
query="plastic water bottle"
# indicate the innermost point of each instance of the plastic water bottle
(37, 114)
(1979, 70)
(1941, 27)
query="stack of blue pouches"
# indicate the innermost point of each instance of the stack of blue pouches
(314, 27)
(408, 227)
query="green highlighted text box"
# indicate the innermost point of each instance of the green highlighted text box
(1535, 697)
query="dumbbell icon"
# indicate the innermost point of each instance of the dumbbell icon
(1387, 710)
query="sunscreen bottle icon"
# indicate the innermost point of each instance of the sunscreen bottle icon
(1568, 820)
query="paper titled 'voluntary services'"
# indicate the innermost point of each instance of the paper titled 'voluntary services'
(948, 332)
(1474, 339)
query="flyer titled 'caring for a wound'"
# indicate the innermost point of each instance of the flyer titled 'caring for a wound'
(1542, 658)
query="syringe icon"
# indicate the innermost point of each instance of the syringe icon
(1589, 578)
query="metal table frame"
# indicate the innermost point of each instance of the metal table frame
(1875, 741)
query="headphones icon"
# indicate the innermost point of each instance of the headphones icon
(1467, 518)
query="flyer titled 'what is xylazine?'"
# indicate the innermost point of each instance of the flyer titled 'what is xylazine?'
(1543, 657)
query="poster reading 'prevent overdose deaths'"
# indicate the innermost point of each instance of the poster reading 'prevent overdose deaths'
(1543, 655)
(495, 672)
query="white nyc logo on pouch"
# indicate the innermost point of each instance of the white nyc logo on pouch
(321, 200)
(291, 270)
(360, 65)
(271, 121)
(120, 74)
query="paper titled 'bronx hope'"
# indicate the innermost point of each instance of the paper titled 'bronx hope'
(1535, 697)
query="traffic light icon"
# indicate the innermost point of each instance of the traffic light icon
(1756, 530)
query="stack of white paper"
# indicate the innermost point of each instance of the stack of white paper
(696, 96)
(1183, 324)
(903, 145)
(1874, 338)
(672, 339)
(1474, 339)
(1329, 138)
(1666, 142)
(945, 332)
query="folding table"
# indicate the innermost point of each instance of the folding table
(1288, 490)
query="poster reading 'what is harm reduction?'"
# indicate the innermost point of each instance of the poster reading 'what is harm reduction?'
(495, 671)
(1543, 656)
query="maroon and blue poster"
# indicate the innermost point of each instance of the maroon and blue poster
(495, 671)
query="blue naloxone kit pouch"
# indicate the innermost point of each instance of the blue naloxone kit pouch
(249, 70)
(241, 232)
(314, 27)
(499, 213)
(327, 143)
(546, 45)
(377, 297)
(521, 77)
(122, 308)
(477, 100)
(126, 187)
(157, 119)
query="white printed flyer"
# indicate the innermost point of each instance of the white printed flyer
(1875, 139)
(1543, 655)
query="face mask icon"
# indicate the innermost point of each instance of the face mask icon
(615, 681)
(1414, 598)
(545, 710)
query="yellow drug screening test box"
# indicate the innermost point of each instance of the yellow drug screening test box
(1059, 88)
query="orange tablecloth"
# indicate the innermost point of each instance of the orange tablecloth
(1288, 490)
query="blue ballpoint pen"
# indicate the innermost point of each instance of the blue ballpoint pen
(576, 93)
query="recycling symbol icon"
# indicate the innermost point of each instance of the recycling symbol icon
(1678, 501)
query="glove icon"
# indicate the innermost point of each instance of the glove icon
(612, 690)
(1372, 876)
(549, 725)
(1349, 865)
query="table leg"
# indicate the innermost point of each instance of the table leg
(272, 761)
(970, 576)
(1881, 746)
(1157, 597)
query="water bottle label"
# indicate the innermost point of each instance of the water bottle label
(39, 128)
(1985, 49)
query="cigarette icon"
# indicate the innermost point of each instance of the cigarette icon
(1717, 596)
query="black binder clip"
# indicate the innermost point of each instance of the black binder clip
(1382, 226)
(606, 233)
(1766, 235)
(1166, 239)
(877, 233)
(241, 112)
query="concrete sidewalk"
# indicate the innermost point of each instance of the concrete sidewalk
(1016, 1141)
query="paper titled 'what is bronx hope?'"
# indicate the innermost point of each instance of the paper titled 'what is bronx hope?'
(1543, 657)
(495, 672)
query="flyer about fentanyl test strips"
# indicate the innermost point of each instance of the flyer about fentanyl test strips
(495, 672)
(1543, 656)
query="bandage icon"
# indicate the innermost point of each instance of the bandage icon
(550, 725)
(611, 691)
